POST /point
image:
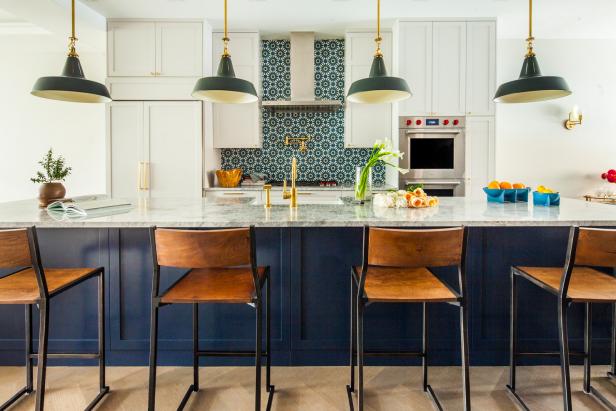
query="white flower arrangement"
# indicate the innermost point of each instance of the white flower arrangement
(405, 199)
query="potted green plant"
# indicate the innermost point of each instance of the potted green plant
(51, 177)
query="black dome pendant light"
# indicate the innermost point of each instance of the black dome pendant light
(225, 87)
(378, 87)
(72, 84)
(532, 86)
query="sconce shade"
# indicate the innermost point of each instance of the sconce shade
(378, 87)
(225, 87)
(71, 86)
(532, 86)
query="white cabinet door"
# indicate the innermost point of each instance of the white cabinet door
(449, 68)
(126, 146)
(131, 49)
(480, 67)
(174, 133)
(238, 125)
(415, 66)
(179, 49)
(480, 153)
(365, 123)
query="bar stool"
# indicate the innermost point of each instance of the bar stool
(577, 282)
(396, 268)
(222, 269)
(31, 284)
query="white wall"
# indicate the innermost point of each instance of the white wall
(532, 145)
(30, 125)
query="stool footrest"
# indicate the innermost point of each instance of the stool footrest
(86, 356)
(601, 398)
(434, 398)
(202, 353)
(15, 397)
(97, 399)
(517, 398)
(187, 395)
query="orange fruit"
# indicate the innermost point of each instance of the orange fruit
(505, 185)
(494, 185)
(518, 185)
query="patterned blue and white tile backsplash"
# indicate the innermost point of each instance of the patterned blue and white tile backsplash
(326, 158)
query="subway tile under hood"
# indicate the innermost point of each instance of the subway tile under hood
(302, 79)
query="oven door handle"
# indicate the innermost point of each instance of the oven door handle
(436, 183)
(439, 131)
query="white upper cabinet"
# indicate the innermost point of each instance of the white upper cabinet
(365, 123)
(154, 48)
(238, 125)
(131, 48)
(415, 60)
(179, 51)
(449, 68)
(480, 67)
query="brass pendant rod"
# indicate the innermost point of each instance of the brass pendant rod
(73, 39)
(530, 40)
(378, 38)
(225, 39)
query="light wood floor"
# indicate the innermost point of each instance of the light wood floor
(304, 388)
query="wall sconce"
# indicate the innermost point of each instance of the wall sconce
(575, 118)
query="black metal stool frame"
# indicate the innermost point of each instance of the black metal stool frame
(257, 303)
(563, 304)
(358, 305)
(42, 355)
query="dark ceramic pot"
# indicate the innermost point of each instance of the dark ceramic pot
(50, 192)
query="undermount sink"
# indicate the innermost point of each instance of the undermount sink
(277, 201)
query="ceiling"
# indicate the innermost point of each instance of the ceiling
(554, 18)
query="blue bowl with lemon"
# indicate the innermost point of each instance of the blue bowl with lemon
(546, 197)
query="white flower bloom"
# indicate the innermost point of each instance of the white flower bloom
(401, 202)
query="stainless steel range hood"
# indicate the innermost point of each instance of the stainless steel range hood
(302, 79)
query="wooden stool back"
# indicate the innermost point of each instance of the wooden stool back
(15, 249)
(203, 248)
(415, 248)
(596, 247)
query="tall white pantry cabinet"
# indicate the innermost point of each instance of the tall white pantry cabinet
(154, 127)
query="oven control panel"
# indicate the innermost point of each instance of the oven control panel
(431, 122)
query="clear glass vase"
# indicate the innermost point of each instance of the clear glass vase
(363, 183)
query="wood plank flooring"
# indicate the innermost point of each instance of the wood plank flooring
(305, 388)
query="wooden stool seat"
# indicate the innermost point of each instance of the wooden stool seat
(215, 285)
(586, 284)
(402, 284)
(22, 287)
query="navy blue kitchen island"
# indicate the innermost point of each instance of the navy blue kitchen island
(310, 262)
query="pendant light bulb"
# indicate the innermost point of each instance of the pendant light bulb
(531, 86)
(378, 87)
(224, 87)
(72, 84)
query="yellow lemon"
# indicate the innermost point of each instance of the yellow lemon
(494, 185)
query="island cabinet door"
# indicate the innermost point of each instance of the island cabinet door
(365, 123)
(174, 150)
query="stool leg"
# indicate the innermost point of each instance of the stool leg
(464, 353)
(513, 331)
(258, 358)
(42, 353)
(353, 331)
(29, 360)
(101, 332)
(612, 372)
(564, 354)
(153, 356)
(587, 346)
(268, 334)
(195, 386)
(424, 358)
(360, 354)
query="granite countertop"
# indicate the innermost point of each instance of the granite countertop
(233, 212)
(341, 187)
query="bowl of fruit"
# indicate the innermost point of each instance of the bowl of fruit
(544, 196)
(504, 191)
